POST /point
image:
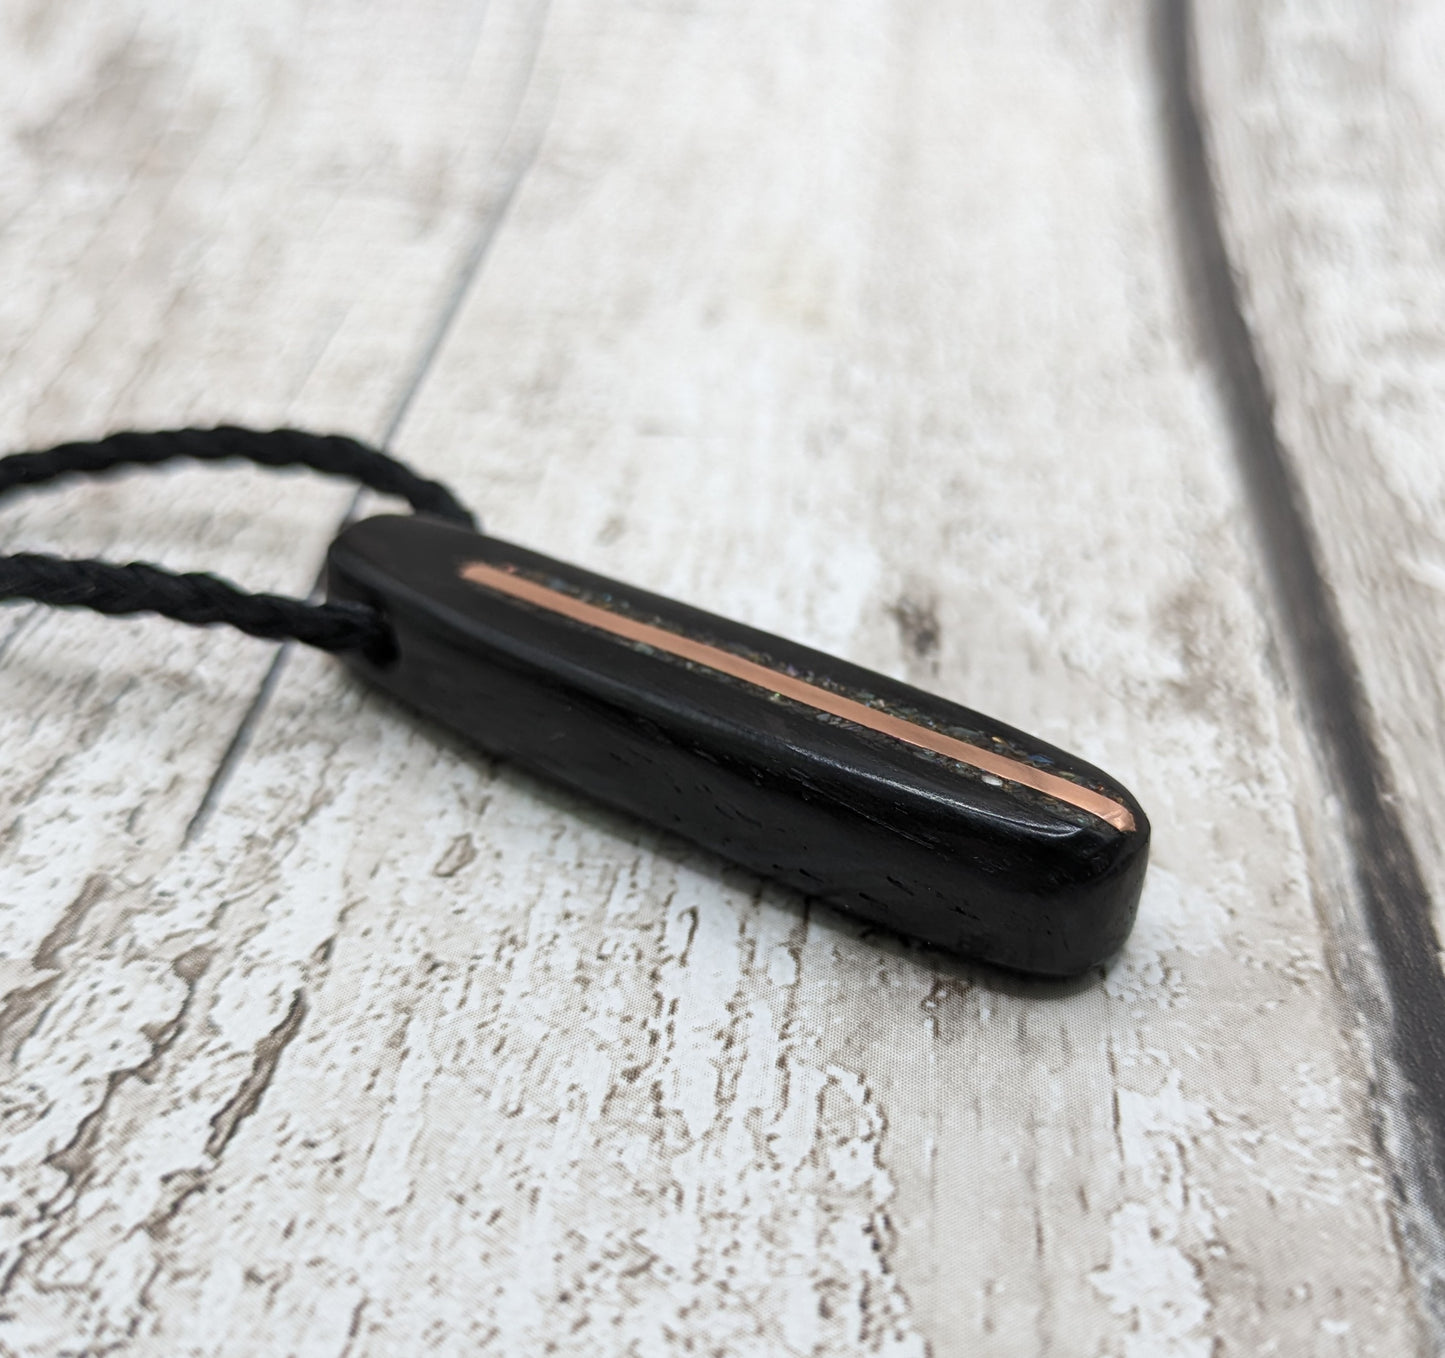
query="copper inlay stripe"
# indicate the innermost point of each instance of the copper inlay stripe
(506, 581)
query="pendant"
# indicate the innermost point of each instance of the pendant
(903, 809)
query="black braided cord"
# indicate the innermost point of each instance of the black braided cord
(204, 599)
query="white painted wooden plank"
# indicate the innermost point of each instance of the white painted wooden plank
(256, 216)
(858, 323)
(259, 217)
(1329, 129)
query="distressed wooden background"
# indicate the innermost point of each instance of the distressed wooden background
(1003, 345)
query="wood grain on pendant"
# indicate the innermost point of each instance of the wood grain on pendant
(509, 582)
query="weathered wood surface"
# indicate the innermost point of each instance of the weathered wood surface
(1329, 130)
(861, 322)
(1324, 132)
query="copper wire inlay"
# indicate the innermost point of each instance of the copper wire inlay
(506, 581)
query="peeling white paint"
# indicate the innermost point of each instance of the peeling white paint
(571, 1085)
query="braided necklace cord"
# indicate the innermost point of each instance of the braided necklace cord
(200, 599)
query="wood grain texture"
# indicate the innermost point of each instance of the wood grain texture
(1351, 202)
(858, 322)
(1330, 137)
(256, 218)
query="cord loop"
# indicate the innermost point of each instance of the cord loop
(201, 599)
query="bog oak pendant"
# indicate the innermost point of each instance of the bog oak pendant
(901, 808)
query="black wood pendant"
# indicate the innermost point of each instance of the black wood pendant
(904, 809)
